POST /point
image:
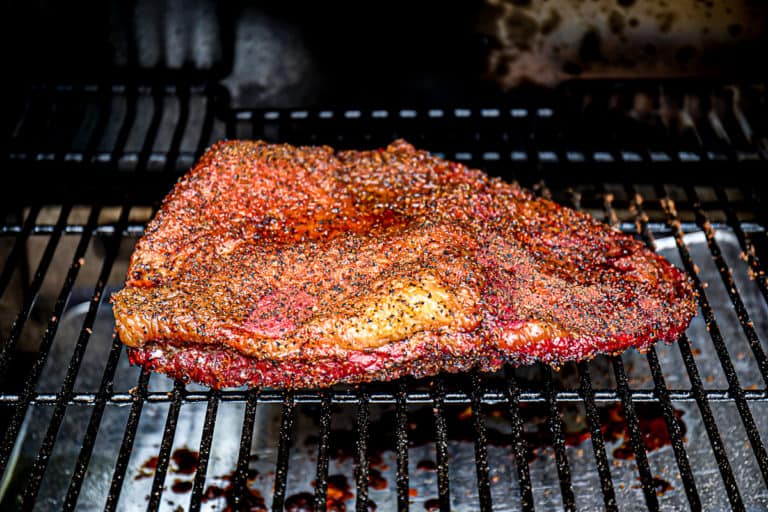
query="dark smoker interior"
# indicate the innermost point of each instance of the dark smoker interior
(650, 115)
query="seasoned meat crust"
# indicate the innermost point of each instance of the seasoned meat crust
(283, 266)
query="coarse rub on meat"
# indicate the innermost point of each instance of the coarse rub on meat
(282, 266)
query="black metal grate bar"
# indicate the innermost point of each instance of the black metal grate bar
(241, 493)
(105, 109)
(555, 423)
(206, 440)
(137, 228)
(361, 452)
(126, 446)
(401, 445)
(726, 276)
(30, 384)
(481, 443)
(323, 455)
(717, 339)
(164, 455)
(635, 435)
(283, 451)
(31, 296)
(674, 430)
(660, 387)
(131, 98)
(715, 440)
(41, 463)
(718, 448)
(207, 125)
(158, 96)
(19, 246)
(758, 273)
(520, 447)
(441, 444)
(493, 395)
(183, 95)
(596, 434)
(99, 402)
(91, 432)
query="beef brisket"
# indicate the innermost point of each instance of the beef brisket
(272, 265)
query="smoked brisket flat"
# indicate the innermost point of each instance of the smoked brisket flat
(281, 266)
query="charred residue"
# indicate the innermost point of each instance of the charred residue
(616, 22)
(521, 29)
(551, 22)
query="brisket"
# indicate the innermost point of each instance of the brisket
(280, 266)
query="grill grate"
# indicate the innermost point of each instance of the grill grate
(92, 151)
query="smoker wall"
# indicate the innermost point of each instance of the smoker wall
(286, 54)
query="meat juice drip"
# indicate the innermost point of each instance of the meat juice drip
(376, 480)
(147, 469)
(181, 486)
(420, 432)
(427, 465)
(338, 493)
(252, 500)
(661, 485)
(652, 426)
(459, 422)
(185, 461)
(301, 502)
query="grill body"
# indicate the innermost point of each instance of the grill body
(683, 426)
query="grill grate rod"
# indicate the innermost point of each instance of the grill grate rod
(183, 95)
(137, 228)
(19, 247)
(91, 432)
(555, 423)
(441, 444)
(746, 245)
(660, 386)
(164, 455)
(283, 451)
(206, 440)
(361, 451)
(33, 292)
(323, 446)
(23, 114)
(30, 384)
(493, 395)
(673, 428)
(100, 401)
(401, 444)
(206, 129)
(46, 448)
(733, 293)
(105, 109)
(131, 100)
(481, 443)
(716, 442)
(126, 446)
(596, 434)
(718, 448)
(158, 106)
(720, 348)
(635, 435)
(67, 119)
(241, 493)
(520, 447)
